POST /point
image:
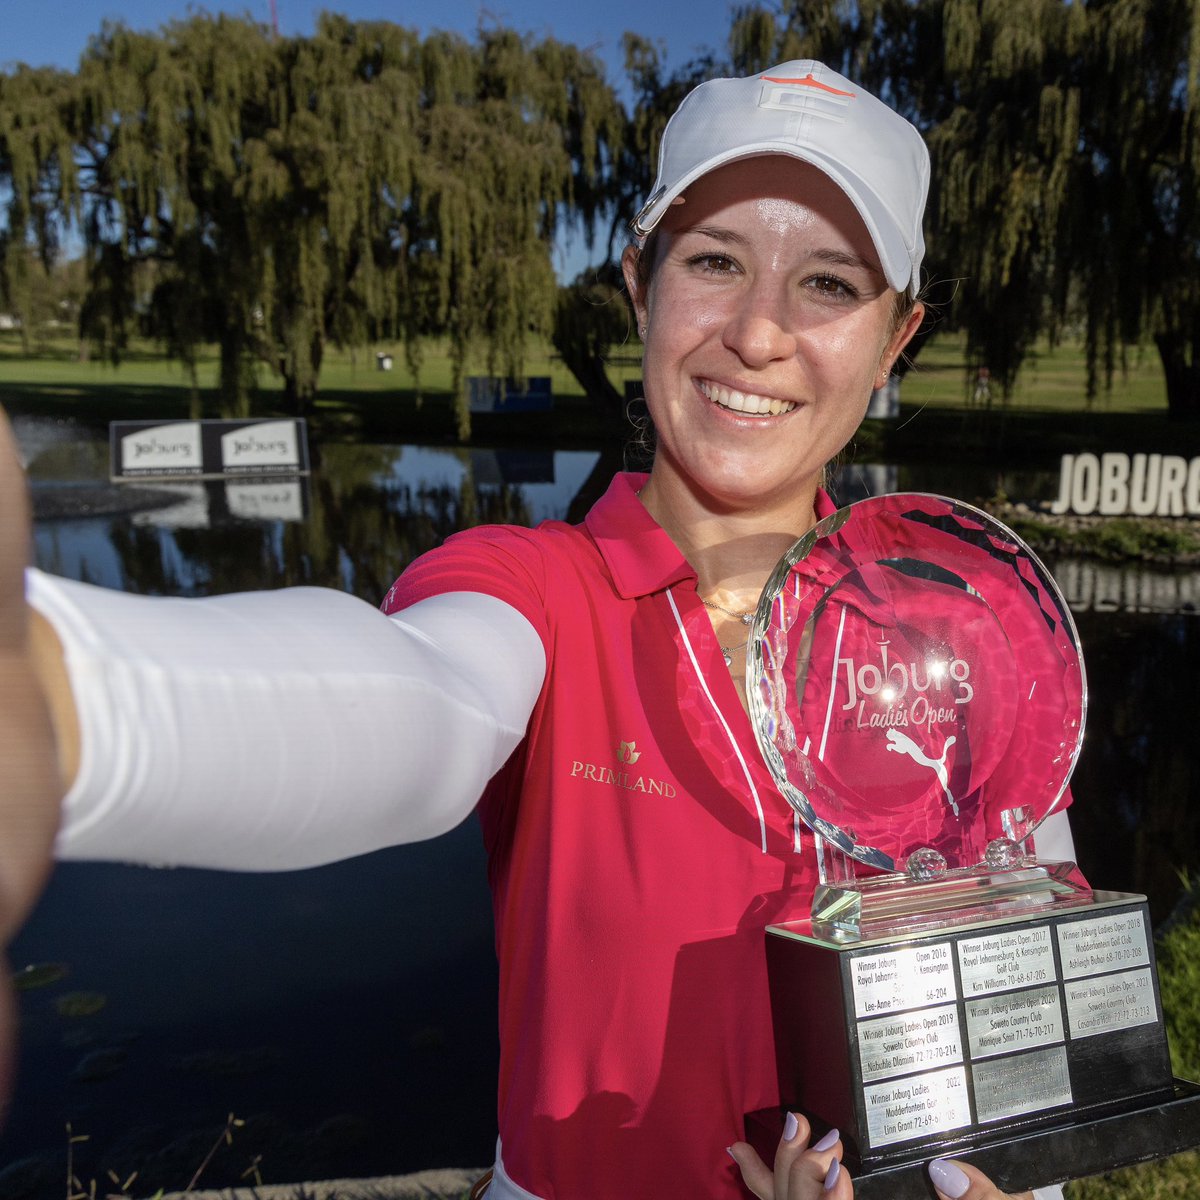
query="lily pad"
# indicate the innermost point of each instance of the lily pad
(39, 975)
(80, 1004)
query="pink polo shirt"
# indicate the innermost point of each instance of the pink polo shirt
(637, 848)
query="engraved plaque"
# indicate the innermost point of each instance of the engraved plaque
(1006, 959)
(1103, 944)
(918, 1106)
(1111, 1002)
(1014, 1021)
(1026, 1083)
(890, 1046)
(903, 979)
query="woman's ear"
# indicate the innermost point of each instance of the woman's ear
(903, 335)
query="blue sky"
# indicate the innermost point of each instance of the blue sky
(54, 32)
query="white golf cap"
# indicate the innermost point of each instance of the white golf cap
(804, 109)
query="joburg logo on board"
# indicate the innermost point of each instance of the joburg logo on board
(627, 753)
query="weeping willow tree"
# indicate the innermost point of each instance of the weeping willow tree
(1138, 253)
(1001, 104)
(33, 148)
(992, 87)
(275, 196)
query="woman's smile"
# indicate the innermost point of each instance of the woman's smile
(748, 404)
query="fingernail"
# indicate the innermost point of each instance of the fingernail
(790, 1127)
(831, 1176)
(729, 1151)
(828, 1140)
(948, 1179)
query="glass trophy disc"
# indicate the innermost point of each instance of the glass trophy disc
(916, 684)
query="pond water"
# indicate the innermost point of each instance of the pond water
(347, 1013)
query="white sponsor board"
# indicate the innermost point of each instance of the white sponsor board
(207, 449)
(162, 450)
(267, 444)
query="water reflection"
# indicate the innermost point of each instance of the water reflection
(370, 511)
(352, 1008)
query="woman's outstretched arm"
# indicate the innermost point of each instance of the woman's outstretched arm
(278, 730)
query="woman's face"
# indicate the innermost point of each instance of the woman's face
(768, 322)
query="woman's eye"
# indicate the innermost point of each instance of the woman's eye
(833, 287)
(713, 264)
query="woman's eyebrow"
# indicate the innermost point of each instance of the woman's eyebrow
(844, 258)
(718, 233)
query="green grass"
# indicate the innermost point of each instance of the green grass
(355, 397)
(1054, 379)
(57, 364)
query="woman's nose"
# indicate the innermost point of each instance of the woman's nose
(759, 330)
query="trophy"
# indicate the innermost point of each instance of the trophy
(917, 689)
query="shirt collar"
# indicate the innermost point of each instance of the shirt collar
(639, 553)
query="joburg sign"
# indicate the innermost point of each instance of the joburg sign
(207, 449)
(1142, 485)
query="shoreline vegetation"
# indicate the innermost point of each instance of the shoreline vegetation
(1155, 541)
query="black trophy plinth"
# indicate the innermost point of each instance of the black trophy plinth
(1032, 1046)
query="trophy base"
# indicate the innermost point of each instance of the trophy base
(1033, 1045)
(1030, 1159)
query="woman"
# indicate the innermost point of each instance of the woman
(581, 680)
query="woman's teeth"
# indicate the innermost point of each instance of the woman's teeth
(746, 402)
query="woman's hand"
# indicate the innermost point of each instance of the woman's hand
(804, 1173)
(955, 1180)
(800, 1172)
(30, 778)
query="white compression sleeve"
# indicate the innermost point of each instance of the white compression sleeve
(276, 730)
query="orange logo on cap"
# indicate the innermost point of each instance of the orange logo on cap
(809, 81)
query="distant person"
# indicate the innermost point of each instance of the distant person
(981, 397)
(580, 686)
